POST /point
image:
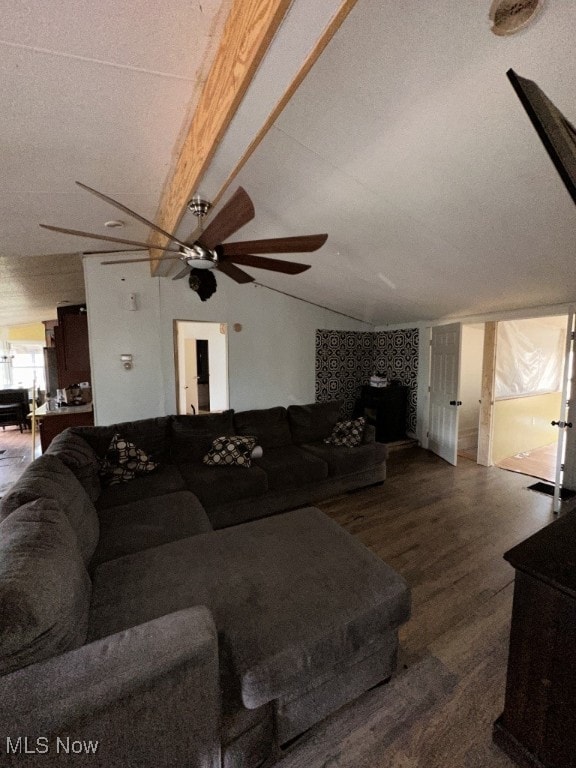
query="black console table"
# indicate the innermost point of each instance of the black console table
(537, 726)
(385, 408)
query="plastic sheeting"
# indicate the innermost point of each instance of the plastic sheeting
(529, 357)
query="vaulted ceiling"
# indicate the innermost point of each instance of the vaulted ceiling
(405, 142)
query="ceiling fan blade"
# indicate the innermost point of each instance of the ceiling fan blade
(238, 211)
(108, 239)
(275, 265)
(182, 273)
(234, 272)
(121, 250)
(133, 261)
(130, 212)
(298, 244)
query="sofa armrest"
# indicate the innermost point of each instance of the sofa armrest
(148, 695)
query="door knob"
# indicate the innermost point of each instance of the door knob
(455, 402)
(562, 424)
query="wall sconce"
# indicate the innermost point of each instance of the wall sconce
(126, 361)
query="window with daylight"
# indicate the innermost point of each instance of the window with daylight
(27, 363)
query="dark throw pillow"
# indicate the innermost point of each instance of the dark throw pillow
(232, 451)
(347, 433)
(124, 461)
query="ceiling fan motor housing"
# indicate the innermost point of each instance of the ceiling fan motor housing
(199, 207)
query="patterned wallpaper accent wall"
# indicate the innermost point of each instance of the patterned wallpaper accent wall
(345, 360)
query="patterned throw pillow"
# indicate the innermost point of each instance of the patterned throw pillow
(124, 461)
(347, 433)
(231, 451)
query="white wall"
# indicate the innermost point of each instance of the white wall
(271, 361)
(121, 395)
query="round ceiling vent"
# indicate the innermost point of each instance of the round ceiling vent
(510, 16)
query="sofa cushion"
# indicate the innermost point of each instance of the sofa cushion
(269, 426)
(230, 451)
(219, 485)
(98, 438)
(150, 435)
(291, 467)
(44, 586)
(345, 461)
(292, 596)
(191, 436)
(79, 456)
(47, 477)
(165, 479)
(149, 523)
(313, 422)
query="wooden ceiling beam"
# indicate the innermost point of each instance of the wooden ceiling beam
(248, 31)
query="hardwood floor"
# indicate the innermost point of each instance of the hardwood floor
(445, 529)
(539, 463)
(15, 455)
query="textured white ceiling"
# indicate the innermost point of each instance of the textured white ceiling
(95, 92)
(406, 143)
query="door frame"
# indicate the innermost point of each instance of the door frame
(222, 330)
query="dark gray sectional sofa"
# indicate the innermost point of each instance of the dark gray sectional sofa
(176, 619)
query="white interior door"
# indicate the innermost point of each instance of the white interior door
(190, 376)
(566, 447)
(444, 386)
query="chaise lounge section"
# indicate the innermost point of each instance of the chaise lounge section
(154, 617)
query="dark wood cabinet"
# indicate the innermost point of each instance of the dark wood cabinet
(51, 424)
(72, 349)
(536, 727)
(385, 408)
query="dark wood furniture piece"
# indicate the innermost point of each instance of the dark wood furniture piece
(537, 728)
(51, 424)
(385, 408)
(14, 408)
(72, 350)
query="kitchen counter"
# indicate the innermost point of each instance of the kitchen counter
(51, 423)
(66, 409)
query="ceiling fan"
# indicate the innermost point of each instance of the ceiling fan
(205, 249)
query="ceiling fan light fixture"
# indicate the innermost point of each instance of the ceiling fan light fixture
(198, 257)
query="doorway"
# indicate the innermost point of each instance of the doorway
(201, 352)
(495, 389)
(530, 358)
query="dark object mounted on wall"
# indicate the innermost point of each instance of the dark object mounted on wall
(556, 133)
(203, 282)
